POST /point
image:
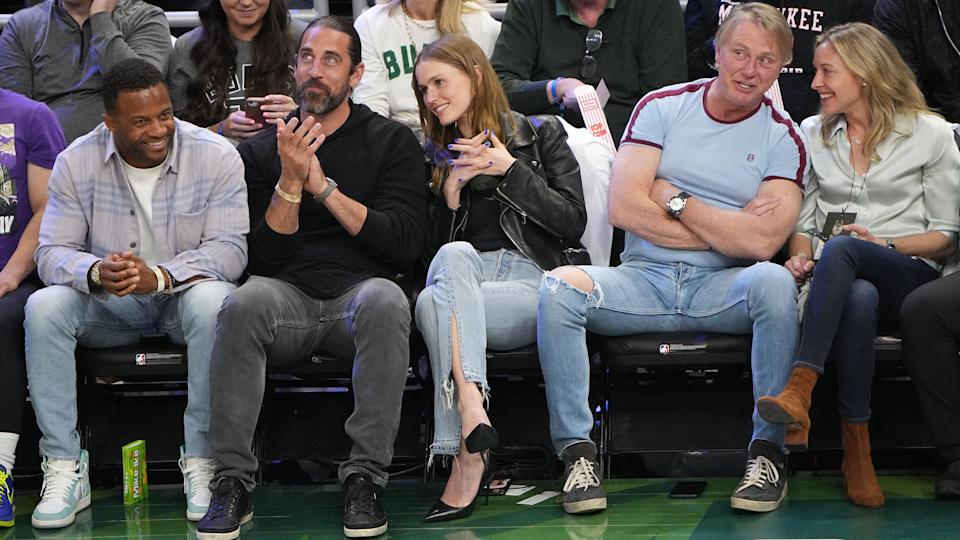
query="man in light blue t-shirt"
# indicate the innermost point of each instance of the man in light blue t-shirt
(708, 182)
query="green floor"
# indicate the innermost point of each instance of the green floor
(637, 509)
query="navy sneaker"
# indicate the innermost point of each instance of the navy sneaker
(230, 507)
(764, 483)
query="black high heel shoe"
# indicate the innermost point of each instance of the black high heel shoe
(444, 512)
(483, 437)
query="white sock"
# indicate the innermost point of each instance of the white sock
(8, 449)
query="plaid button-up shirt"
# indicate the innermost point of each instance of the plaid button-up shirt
(200, 217)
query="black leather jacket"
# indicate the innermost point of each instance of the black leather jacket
(541, 197)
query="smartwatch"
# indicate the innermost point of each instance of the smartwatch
(677, 203)
(331, 185)
(891, 244)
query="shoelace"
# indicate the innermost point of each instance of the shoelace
(222, 503)
(760, 470)
(582, 476)
(199, 472)
(363, 500)
(57, 483)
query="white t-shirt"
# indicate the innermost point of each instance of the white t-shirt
(142, 183)
(388, 57)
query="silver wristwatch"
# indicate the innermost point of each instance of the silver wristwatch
(677, 203)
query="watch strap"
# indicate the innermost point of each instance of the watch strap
(331, 185)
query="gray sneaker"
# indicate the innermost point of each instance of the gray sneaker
(764, 483)
(582, 493)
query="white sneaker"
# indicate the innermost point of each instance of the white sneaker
(65, 491)
(197, 474)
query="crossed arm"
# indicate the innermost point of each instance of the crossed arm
(638, 200)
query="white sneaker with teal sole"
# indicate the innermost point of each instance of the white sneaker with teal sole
(197, 474)
(65, 491)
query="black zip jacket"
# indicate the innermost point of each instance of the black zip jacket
(541, 197)
(377, 162)
(924, 42)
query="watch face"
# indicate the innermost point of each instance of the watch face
(676, 204)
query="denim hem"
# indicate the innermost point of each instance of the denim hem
(864, 420)
(818, 369)
(377, 477)
(60, 458)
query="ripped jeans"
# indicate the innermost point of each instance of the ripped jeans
(650, 296)
(493, 295)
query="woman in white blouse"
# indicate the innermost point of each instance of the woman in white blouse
(879, 214)
(393, 32)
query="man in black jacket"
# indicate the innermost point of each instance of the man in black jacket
(337, 205)
(927, 34)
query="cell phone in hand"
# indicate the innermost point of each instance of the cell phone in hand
(252, 110)
(687, 489)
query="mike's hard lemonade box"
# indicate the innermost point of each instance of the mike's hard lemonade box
(134, 472)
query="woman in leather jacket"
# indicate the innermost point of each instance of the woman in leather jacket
(509, 206)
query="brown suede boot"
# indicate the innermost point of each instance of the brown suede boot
(792, 405)
(858, 474)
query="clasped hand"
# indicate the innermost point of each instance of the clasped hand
(297, 145)
(480, 154)
(125, 273)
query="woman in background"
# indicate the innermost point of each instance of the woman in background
(242, 49)
(394, 31)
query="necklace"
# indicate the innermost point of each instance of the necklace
(408, 19)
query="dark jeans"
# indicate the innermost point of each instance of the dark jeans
(931, 330)
(270, 321)
(857, 285)
(13, 392)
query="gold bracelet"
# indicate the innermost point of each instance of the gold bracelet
(289, 197)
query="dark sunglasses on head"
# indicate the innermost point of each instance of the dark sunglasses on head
(588, 66)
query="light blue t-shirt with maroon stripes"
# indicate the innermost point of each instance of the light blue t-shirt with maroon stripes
(720, 163)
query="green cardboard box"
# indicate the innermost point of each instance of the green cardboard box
(134, 472)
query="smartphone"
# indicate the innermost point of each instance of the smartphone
(251, 108)
(687, 489)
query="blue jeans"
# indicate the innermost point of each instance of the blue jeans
(58, 318)
(493, 296)
(649, 296)
(856, 286)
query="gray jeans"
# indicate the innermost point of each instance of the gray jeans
(268, 320)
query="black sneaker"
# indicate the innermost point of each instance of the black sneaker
(948, 486)
(363, 515)
(764, 483)
(582, 493)
(230, 508)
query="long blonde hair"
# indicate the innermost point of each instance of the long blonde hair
(449, 13)
(891, 88)
(489, 108)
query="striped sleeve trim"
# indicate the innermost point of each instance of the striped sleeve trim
(795, 135)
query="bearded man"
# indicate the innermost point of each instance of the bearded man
(337, 208)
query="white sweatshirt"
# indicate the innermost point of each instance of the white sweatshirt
(388, 57)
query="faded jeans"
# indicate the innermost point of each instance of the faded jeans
(649, 296)
(493, 296)
(270, 321)
(58, 318)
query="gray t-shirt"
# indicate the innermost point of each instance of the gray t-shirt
(183, 70)
(46, 56)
